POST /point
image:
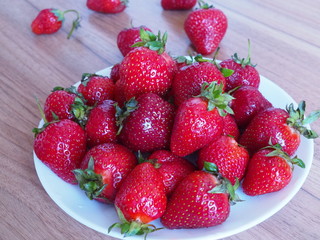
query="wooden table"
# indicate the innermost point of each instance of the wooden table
(285, 41)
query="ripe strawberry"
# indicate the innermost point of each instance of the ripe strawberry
(148, 126)
(279, 126)
(129, 36)
(245, 73)
(145, 68)
(101, 124)
(230, 127)
(107, 6)
(50, 20)
(200, 200)
(206, 27)
(61, 146)
(95, 88)
(269, 170)
(119, 96)
(103, 170)
(248, 102)
(171, 167)
(140, 200)
(230, 158)
(188, 80)
(114, 74)
(199, 120)
(178, 4)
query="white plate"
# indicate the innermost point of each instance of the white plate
(244, 215)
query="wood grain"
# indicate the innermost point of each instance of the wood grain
(285, 40)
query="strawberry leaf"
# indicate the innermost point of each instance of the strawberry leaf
(122, 113)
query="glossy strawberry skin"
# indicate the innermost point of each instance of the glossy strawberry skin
(59, 102)
(178, 4)
(46, 22)
(129, 36)
(172, 168)
(141, 196)
(248, 102)
(230, 158)
(113, 162)
(101, 125)
(242, 76)
(270, 124)
(114, 74)
(266, 174)
(188, 80)
(61, 146)
(194, 127)
(154, 74)
(106, 6)
(205, 29)
(192, 206)
(97, 89)
(148, 128)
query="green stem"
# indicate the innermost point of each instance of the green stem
(75, 23)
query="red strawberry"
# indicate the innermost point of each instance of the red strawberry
(101, 124)
(230, 127)
(248, 102)
(200, 200)
(178, 4)
(140, 200)
(199, 120)
(245, 73)
(205, 28)
(279, 126)
(144, 70)
(230, 158)
(61, 146)
(172, 168)
(50, 20)
(119, 96)
(269, 170)
(95, 88)
(148, 126)
(129, 36)
(114, 74)
(103, 169)
(107, 6)
(188, 80)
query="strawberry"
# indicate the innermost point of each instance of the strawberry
(188, 80)
(178, 4)
(230, 127)
(199, 120)
(128, 37)
(140, 200)
(200, 200)
(107, 6)
(146, 123)
(114, 74)
(95, 88)
(172, 168)
(145, 68)
(248, 101)
(50, 20)
(284, 127)
(103, 169)
(206, 27)
(119, 96)
(101, 124)
(270, 170)
(230, 158)
(245, 73)
(61, 146)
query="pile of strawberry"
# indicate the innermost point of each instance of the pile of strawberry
(170, 138)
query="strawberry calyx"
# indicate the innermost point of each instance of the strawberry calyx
(244, 61)
(90, 182)
(142, 159)
(124, 112)
(87, 76)
(153, 42)
(124, 2)
(216, 97)
(61, 17)
(297, 119)
(204, 5)
(134, 227)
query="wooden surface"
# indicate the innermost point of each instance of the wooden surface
(285, 37)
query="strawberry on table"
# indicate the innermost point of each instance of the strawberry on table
(178, 4)
(103, 169)
(107, 6)
(270, 170)
(206, 27)
(140, 200)
(50, 20)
